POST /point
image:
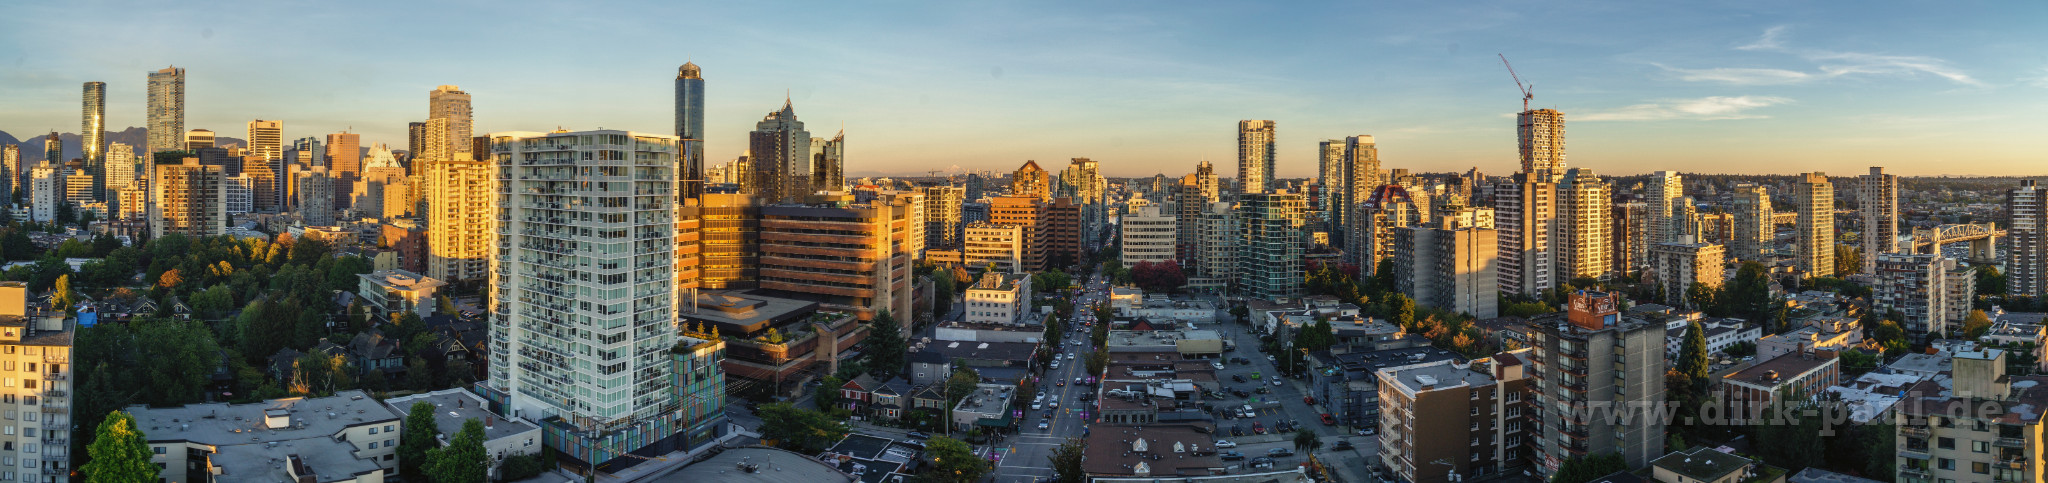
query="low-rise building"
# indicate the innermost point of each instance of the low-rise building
(1189, 343)
(1721, 333)
(1871, 396)
(778, 343)
(1705, 465)
(503, 437)
(1158, 451)
(1826, 333)
(999, 298)
(989, 406)
(345, 438)
(1800, 375)
(1158, 306)
(1473, 416)
(1347, 383)
(2020, 332)
(390, 292)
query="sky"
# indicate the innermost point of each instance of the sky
(1922, 88)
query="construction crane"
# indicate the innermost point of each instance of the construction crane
(1528, 91)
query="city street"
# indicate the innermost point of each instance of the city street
(1025, 456)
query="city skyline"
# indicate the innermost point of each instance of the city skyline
(1142, 88)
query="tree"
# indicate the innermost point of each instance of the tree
(826, 396)
(1891, 337)
(1066, 462)
(1857, 362)
(1242, 313)
(524, 466)
(1699, 295)
(885, 346)
(214, 302)
(1051, 280)
(64, 298)
(801, 430)
(953, 461)
(419, 437)
(1097, 360)
(463, 460)
(119, 452)
(1989, 281)
(1848, 259)
(1401, 309)
(1692, 355)
(1581, 469)
(1160, 277)
(1316, 336)
(1975, 324)
(169, 279)
(961, 384)
(181, 356)
(1305, 440)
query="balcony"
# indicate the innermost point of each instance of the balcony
(1910, 470)
(2020, 443)
(1918, 452)
(1914, 431)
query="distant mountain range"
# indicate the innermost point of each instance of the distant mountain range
(32, 148)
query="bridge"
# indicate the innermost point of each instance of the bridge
(1983, 238)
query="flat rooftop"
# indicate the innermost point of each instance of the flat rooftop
(453, 407)
(988, 399)
(999, 351)
(249, 449)
(775, 466)
(1441, 374)
(744, 312)
(1787, 367)
(1701, 463)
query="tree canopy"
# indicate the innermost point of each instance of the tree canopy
(463, 460)
(120, 453)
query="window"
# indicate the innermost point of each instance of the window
(1981, 468)
(373, 430)
(1980, 446)
(159, 449)
(1946, 464)
(389, 428)
(1946, 443)
(373, 444)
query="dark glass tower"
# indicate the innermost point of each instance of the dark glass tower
(690, 127)
(92, 136)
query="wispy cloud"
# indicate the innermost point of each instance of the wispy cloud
(1741, 76)
(2038, 80)
(1714, 108)
(1768, 42)
(1829, 65)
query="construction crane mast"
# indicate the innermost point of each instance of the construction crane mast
(1528, 91)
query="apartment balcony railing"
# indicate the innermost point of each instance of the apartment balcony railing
(2010, 443)
(1914, 431)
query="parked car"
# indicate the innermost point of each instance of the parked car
(1256, 374)
(1276, 382)
(1308, 399)
(1224, 443)
(1262, 462)
(1258, 428)
(1328, 420)
(1270, 358)
(1237, 377)
(1240, 392)
(919, 435)
(1262, 390)
(1217, 365)
(1342, 444)
(1279, 452)
(1231, 455)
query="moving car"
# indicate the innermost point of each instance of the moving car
(1045, 424)
(1308, 399)
(919, 435)
(1231, 455)
(1342, 444)
(1262, 462)
(1279, 452)
(1224, 443)
(1056, 365)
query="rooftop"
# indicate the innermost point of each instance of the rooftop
(996, 351)
(1935, 395)
(1779, 369)
(744, 313)
(774, 466)
(1435, 375)
(453, 407)
(1817, 475)
(987, 399)
(1701, 463)
(248, 447)
(1873, 393)
(1001, 281)
(401, 280)
(1158, 450)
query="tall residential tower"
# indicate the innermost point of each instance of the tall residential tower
(690, 127)
(781, 158)
(1877, 200)
(1255, 148)
(166, 111)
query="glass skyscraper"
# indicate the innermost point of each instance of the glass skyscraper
(690, 127)
(92, 137)
(166, 111)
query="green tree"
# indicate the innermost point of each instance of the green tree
(1401, 309)
(826, 396)
(1066, 462)
(1051, 280)
(885, 346)
(463, 460)
(1305, 440)
(1848, 259)
(801, 430)
(954, 462)
(1990, 282)
(1097, 361)
(1699, 295)
(65, 298)
(961, 384)
(1891, 337)
(181, 355)
(1692, 354)
(1242, 313)
(119, 452)
(524, 466)
(1581, 469)
(419, 437)
(1792, 439)
(1856, 362)
(214, 302)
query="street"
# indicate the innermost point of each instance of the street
(1024, 457)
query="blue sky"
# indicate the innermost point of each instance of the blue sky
(1144, 87)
